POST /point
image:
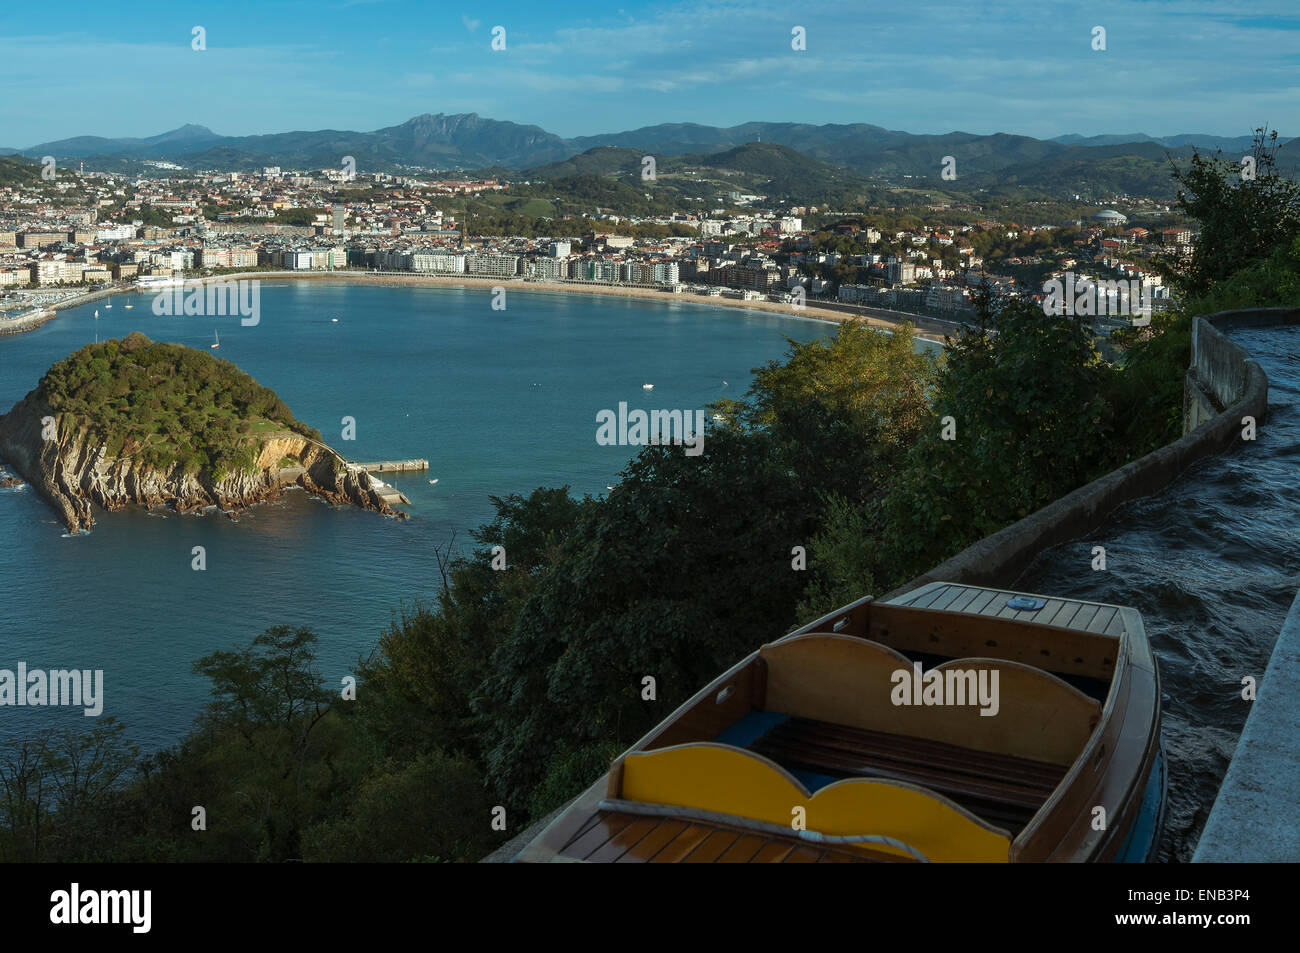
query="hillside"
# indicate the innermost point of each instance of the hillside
(17, 171)
(602, 160)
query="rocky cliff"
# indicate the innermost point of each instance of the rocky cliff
(72, 472)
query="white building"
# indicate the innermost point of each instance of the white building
(438, 263)
(497, 266)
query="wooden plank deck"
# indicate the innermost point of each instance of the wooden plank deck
(612, 837)
(1077, 614)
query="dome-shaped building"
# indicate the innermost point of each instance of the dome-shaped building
(1107, 217)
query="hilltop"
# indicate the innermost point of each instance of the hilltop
(134, 421)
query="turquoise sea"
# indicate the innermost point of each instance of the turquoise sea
(499, 402)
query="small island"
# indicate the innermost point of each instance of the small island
(137, 421)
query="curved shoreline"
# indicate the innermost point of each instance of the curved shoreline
(15, 327)
(930, 329)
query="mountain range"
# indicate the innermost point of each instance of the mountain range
(468, 141)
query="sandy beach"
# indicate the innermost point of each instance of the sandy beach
(932, 329)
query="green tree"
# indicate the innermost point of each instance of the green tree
(268, 702)
(55, 785)
(1244, 214)
(1025, 405)
(433, 808)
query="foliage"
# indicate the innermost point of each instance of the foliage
(431, 808)
(1247, 255)
(842, 556)
(165, 405)
(845, 408)
(1243, 219)
(672, 576)
(53, 784)
(1028, 423)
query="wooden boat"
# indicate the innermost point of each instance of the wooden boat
(828, 745)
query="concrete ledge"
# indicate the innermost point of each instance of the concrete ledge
(1256, 816)
(1219, 367)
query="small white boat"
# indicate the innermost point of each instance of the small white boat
(432, 482)
(334, 320)
(128, 306)
(217, 343)
(647, 386)
(108, 306)
(96, 314)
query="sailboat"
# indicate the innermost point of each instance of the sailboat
(217, 343)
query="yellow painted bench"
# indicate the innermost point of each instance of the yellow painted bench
(705, 776)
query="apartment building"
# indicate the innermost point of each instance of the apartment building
(496, 266)
(437, 263)
(548, 269)
(40, 239)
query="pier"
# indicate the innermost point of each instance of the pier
(390, 494)
(395, 466)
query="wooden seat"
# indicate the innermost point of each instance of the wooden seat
(1004, 790)
(850, 681)
(706, 781)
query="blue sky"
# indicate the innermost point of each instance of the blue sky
(982, 66)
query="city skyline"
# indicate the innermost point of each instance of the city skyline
(1001, 68)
